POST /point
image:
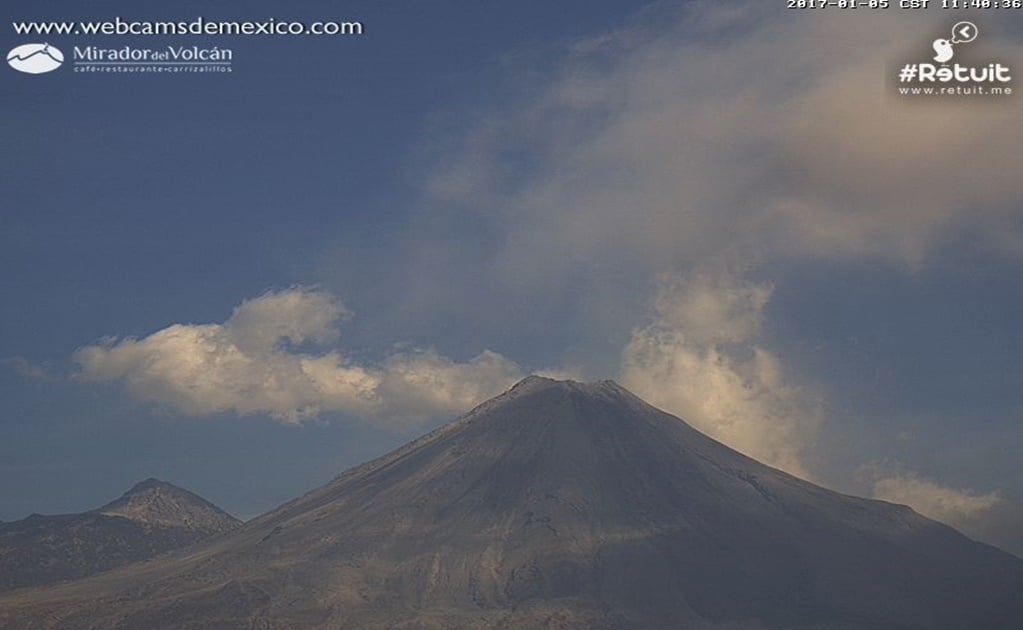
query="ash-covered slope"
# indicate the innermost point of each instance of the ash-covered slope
(151, 518)
(559, 505)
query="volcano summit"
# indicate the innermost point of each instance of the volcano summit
(559, 505)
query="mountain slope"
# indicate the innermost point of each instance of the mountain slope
(559, 505)
(151, 518)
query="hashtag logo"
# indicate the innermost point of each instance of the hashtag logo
(908, 72)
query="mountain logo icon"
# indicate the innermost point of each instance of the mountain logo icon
(35, 58)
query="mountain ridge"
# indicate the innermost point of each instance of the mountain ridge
(158, 502)
(151, 518)
(559, 504)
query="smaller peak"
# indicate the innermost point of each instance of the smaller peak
(150, 484)
(158, 502)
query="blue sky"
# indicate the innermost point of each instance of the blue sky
(246, 283)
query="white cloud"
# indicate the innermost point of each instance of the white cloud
(699, 360)
(712, 310)
(942, 503)
(258, 361)
(737, 133)
(296, 316)
(986, 516)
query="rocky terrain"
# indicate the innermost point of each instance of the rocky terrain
(151, 518)
(558, 505)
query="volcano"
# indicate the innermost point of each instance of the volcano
(147, 520)
(558, 505)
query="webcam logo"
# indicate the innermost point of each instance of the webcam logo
(962, 33)
(942, 77)
(35, 58)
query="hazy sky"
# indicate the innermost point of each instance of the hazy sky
(246, 283)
